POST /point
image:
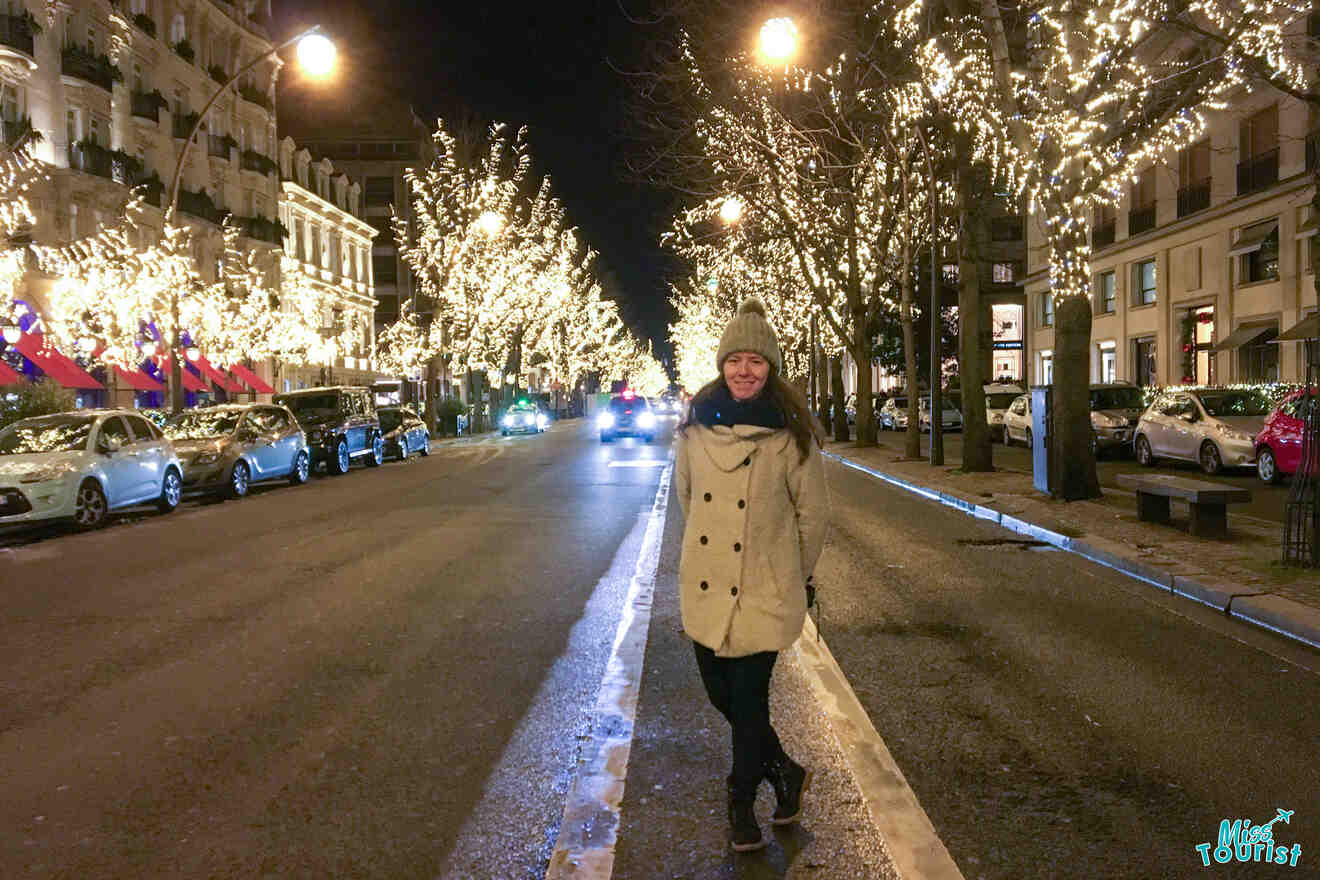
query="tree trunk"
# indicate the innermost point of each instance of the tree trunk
(866, 433)
(823, 376)
(971, 362)
(836, 398)
(1073, 467)
(432, 373)
(912, 439)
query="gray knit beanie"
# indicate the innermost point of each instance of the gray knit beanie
(749, 331)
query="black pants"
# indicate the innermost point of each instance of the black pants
(739, 687)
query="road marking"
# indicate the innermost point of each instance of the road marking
(589, 830)
(638, 463)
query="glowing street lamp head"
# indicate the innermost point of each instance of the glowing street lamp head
(316, 54)
(732, 210)
(491, 223)
(12, 334)
(779, 39)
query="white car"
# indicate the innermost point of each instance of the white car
(1216, 429)
(1017, 421)
(81, 465)
(893, 415)
(998, 398)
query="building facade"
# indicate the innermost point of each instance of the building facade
(1206, 259)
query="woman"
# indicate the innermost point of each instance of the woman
(751, 482)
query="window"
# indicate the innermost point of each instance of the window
(1257, 250)
(1143, 360)
(1258, 146)
(1143, 283)
(1006, 229)
(316, 245)
(73, 125)
(1003, 273)
(178, 29)
(1047, 309)
(1141, 209)
(379, 191)
(299, 244)
(138, 7)
(111, 427)
(1259, 359)
(1103, 225)
(1107, 292)
(142, 431)
(384, 269)
(1194, 178)
(1046, 372)
(1108, 362)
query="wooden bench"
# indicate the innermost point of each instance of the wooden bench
(1207, 501)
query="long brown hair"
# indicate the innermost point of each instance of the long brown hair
(798, 418)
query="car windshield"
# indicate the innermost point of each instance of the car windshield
(199, 424)
(945, 404)
(61, 433)
(620, 404)
(1237, 403)
(1117, 398)
(1001, 399)
(311, 404)
(390, 419)
(899, 402)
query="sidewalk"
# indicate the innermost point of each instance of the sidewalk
(1241, 576)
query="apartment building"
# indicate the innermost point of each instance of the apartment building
(1205, 260)
(330, 242)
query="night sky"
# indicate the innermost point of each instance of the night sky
(551, 65)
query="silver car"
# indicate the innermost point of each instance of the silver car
(81, 465)
(894, 414)
(1216, 429)
(1116, 408)
(950, 415)
(225, 449)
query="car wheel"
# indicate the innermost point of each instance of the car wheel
(302, 466)
(89, 506)
(238, 480)
(1267, 467)
(403, 448)
(377, 457)
(339, 464)
(171, 490)
(1209, 458)
(1030, 443)
(1145, 457)
(426, 447)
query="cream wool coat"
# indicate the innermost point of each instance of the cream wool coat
(756, 521)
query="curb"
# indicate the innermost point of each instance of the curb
(1274, 613)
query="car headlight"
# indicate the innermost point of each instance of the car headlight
(996, 418)
(206, 458)
(1231, 433)
(507, 421)
(47, 473)
(542, 420)
(646, 420)
(605, 420)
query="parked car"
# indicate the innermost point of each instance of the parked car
(1017, 421)
(894, 414)
(525, 417)
(998, 398)
(404, 432)
(1279, 443)
(81, 465)
(1116, 408)
(1215, 429)
(950, 416)
(340, 423)
(227, 448)
(626, 415)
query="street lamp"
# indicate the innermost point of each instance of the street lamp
(779, 39)
(490, 223)
(732, 210)
(317, 55)
(11, 333)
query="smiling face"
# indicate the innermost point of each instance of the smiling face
(745, 372)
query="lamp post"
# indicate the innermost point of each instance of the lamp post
(316, 54)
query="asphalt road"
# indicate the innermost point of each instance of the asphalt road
(377, 675)
(1267, 502)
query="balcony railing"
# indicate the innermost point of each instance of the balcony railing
(251, 160)
(16, 33)
(1102, 235)
(146, 105)
(1258, 172)
(145, 23)
(199, 204)
(1141, 219)
(1194, 197)
(13, 129)
(218, 74)
(255, 96)
(90, 158)
(183, 124)
(84, 64)
(1312, 150)
(262, 229)
(219, 145)
(152, 190)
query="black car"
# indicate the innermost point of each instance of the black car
(626, 415)
(404, 432)
(340, 423)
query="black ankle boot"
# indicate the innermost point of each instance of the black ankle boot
(790, 781)
(742, 824)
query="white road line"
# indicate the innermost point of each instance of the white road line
(589, 830)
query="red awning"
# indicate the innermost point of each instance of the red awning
(217, 376)
(55, 365)
(190, 380)
(8, 376)
(136, 378)
(250, 379)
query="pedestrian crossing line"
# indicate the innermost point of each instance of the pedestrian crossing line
(584, 849)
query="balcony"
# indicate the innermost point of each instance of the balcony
(152, 190)
(85, 65)
(90, 158)
(256, 96)
(200, 205)
(1258, 172)
(1102, 235)
(16, 34)
(1193, 198)
(1312, 150)
(11, 130)
(1141, 219)
(251, 160)
(219, 145)
(184, 50)
(217, 73)
(147, 105)
(183, 124)
(261, 229)
(145, 23)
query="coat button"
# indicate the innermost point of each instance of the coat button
(705, 586)
(747, 460)
(737, 548)
(741, 504)
(733, 591)
(706, 496)
(703, 539)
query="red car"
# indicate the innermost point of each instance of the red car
(1279, 444)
